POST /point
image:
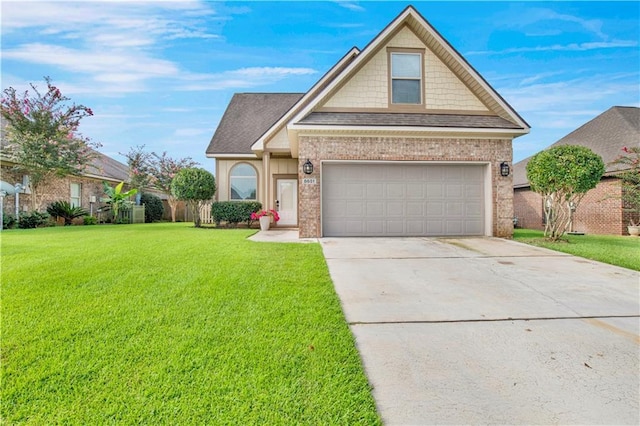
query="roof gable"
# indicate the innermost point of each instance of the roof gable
(427, 36)
(369, 86)
(605, 135)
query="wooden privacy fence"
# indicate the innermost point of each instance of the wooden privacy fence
(183, 213)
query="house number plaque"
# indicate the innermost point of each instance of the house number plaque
(309, 181)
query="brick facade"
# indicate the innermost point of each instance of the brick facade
(320, 148)
(56, 189)
(599, 212)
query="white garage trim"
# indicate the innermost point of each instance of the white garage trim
(392, 212)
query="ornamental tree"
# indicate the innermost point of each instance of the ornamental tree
(140, 165)
(629, 164)
(195, 186)
(41, 135)
(562, 175)
(163, 170)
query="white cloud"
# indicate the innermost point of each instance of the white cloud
(242, 78)
(138, 64)
(351, 5)
(615, 44)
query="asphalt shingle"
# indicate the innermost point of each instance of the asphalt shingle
(249, 116)
(405, 119)
(605, 135)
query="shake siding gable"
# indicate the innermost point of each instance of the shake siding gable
(369, 87)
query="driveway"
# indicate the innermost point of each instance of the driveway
(490, 331)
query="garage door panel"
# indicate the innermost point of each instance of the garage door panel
(395, 190)
(395, 209)
(360, 199)
(435, 190)
(353, 190)
(415, 209)
(395, 227)
(353, 209)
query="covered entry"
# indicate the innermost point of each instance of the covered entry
(402, 199)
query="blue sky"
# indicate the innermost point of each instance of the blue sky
(160, 74)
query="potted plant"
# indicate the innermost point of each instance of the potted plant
(264, 216)
(630, 182)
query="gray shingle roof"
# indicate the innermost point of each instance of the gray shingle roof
(605, 135)
(247, 117)
(108, 168)
(411, 119)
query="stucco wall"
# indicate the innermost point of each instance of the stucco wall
(599, 212)
(319, 148)
(369, 88)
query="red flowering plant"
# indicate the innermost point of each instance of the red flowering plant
(272, 213)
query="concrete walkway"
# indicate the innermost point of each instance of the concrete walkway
(490, 331)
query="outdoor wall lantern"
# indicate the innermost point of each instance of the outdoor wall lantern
(504, 169)
(307, 167)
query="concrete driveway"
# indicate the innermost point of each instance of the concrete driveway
(490, 331)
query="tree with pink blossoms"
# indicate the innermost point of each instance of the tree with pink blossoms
(164, 169)
(41, 135)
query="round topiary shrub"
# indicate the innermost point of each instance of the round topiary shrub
(153, 207)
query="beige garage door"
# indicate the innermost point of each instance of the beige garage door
(374, 199)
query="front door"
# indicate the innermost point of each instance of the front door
(287, 201)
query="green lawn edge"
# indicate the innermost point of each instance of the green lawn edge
(616, 250)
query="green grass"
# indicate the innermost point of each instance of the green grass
(168, 324)
(612, 249)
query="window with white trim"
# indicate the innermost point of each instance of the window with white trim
(243, 182)
(76, 195)
(406, 78)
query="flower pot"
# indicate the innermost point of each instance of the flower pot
(265, 221)
(633, 230)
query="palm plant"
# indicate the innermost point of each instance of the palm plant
(66, 211)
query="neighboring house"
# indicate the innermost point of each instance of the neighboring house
(600, 211)
(405, 138)
(84, 190)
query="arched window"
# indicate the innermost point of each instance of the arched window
(243, 182)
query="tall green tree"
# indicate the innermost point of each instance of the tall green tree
(41, 135)
(196, 187)
(562, 175)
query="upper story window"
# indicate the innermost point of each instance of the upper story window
(243, 182)
(406, 78)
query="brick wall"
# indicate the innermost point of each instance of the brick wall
(599, 212)
(56, 189)
(318, 148)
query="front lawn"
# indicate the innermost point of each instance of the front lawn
(168, 324)
(612, 249)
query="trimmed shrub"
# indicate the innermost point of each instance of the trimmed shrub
(234, 212)
(90, 220)
(153, 207)
(33, 220)
(8, 221)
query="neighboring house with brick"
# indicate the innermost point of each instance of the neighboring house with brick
(404, 138)
(601, 209)
(84, 190)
